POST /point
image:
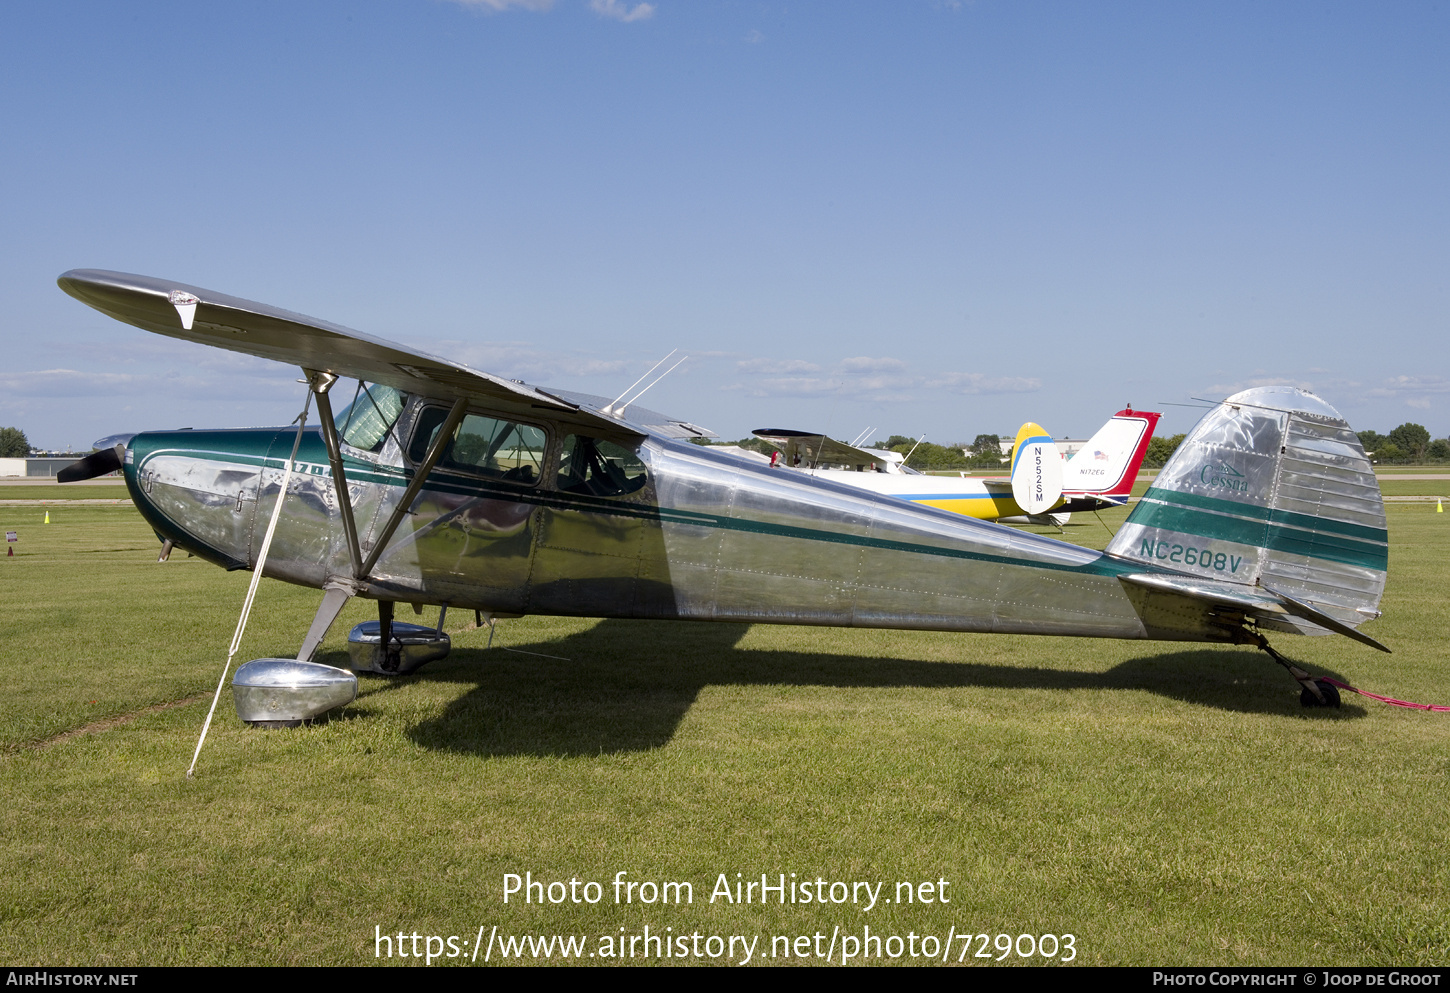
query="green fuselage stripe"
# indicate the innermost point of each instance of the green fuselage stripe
(475, 487)
(1295, 540)
(1287, 518)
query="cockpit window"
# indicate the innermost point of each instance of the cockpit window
(368, 419)
(483, 445)
(596, 467)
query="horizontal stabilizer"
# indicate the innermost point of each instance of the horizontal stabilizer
(1266, 606)
(1300, 609)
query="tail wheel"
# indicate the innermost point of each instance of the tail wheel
(1330, 691)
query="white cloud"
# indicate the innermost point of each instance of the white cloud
(160, 370)
(754, 37)
(518, 360)
(777, 366)
(161, 384)
(863, 363)
(880, 380)
(69, 383)
(787, 386)
(617, 11)
(498, 6)
(1220, 390)
(976, 382)
(1397, 386)
(879, 390)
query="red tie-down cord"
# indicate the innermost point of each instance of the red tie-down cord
(1386, 699)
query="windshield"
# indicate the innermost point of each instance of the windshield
(366, 421)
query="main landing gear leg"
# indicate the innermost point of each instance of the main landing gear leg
(1316, 692)
(392, 647)
(333, 600)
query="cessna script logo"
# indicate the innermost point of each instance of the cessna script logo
(1223, 475)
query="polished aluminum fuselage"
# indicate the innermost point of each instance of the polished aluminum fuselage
(1268, 517)
(710, 537)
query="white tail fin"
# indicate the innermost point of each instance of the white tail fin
(1036, 470)
(1108, 464)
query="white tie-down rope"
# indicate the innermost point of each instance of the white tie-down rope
(256, 576)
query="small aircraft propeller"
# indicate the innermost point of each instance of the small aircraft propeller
(109, 457)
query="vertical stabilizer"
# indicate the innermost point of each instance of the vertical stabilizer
(1107, 466)
(1036, 470)
(1273, 490)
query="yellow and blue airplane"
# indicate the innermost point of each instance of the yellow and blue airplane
(1042, 487)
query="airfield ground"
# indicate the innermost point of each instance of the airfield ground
(1164, 804)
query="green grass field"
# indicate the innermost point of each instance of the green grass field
(1164, 804)
(13, 491)
(1389, 487)
(1415, 487)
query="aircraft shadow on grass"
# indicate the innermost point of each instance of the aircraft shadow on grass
(626, 685)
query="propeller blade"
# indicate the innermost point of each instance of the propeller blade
(93, 465)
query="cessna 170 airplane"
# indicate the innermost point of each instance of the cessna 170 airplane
(1041, 489)
(447, 486)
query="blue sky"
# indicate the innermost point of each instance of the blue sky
(919, 216)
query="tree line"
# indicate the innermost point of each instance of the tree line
(1408, 443)
(13, 444)
(985, 451)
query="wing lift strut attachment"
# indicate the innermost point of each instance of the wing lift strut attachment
(338, 590)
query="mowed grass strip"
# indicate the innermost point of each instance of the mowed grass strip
(1167, 804)
(1389, 486)
(63, 492)
(1415, 487)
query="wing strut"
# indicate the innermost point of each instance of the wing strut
(338, 591)
(334, 597)
(435, 452)
(321, 382)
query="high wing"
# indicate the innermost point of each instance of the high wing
(1267, 518)
(819, 450)
(191, 313)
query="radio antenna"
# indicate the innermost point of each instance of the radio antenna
(609, 409)
(652, 383)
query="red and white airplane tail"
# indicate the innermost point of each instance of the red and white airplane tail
(1104, 471)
